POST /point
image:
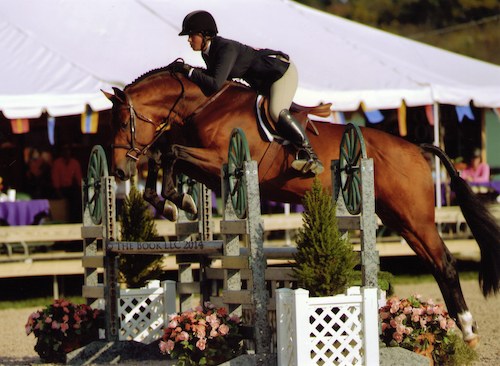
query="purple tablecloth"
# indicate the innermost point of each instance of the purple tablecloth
(22, 212)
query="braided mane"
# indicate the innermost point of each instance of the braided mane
(158, 70)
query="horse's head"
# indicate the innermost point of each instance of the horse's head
(141, 113)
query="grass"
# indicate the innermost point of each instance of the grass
(406, 279)
(40, 302)
(397, 279)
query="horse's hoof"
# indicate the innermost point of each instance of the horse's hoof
(188, 204)
(170, 211)
(472, 342)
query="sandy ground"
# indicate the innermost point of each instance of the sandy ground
(17, 349)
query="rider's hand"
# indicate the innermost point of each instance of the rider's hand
(186, 69)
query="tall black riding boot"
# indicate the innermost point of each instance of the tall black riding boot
(306, 159)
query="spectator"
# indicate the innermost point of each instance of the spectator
(38, 173)
(476, 171)
(67, 182)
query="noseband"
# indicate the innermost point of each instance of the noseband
(133, 151)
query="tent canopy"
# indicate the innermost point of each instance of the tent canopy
(58, 54)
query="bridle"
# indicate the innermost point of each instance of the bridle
(166, 124)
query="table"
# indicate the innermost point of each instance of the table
(494, 184)
(23, 212)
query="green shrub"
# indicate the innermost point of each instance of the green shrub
(325, 260)
(137, 224)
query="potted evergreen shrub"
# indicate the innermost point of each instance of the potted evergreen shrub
(325, 261)
(137, 224)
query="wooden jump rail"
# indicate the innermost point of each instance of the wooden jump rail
(272, 222)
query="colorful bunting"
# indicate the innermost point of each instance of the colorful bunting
(89, 121)
(338, 117)
(51, 126)
(373, 116)
(429, 112)
(464, 111)
(402, 119)
(20, 125)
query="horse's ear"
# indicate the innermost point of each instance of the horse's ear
(120, 95)
(110, 96)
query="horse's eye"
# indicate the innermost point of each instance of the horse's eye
(123, 125)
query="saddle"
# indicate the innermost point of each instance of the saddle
(268, 127)
(300, 112)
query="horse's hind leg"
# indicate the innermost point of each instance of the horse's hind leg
(430, 247)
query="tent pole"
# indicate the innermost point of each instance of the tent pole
(437, 162)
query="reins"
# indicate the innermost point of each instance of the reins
(166, 124)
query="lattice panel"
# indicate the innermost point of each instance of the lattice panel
(336, 335)
(141, 317)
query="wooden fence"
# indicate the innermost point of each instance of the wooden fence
(18, 259)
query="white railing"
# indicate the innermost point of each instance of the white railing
(144, 311)
(334, 330)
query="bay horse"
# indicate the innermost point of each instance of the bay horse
(164, 111)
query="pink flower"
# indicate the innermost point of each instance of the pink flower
(407, 310)
(182, 336)
(48, 320)
(200, 330)
(395, 306)
(55, 325)
(401, 329)
(417, 311)
(384, 315)
(398, 337)
(223, 329)
(167, 347)
(201, 344)
(64, 327)
(442, 322)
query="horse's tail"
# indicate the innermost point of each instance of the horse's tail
(481, 223)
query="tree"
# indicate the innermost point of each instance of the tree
(325, 260)
(137, 224)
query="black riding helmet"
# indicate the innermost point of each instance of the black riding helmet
(199, 21)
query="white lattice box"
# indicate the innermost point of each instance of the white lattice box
(334, 330)
(143, 311)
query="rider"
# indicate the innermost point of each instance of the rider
(265, 70)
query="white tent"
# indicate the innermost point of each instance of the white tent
(57, 54)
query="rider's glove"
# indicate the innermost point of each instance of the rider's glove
(186, 69)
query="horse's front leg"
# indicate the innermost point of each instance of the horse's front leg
(164, 207)
(169, 191)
